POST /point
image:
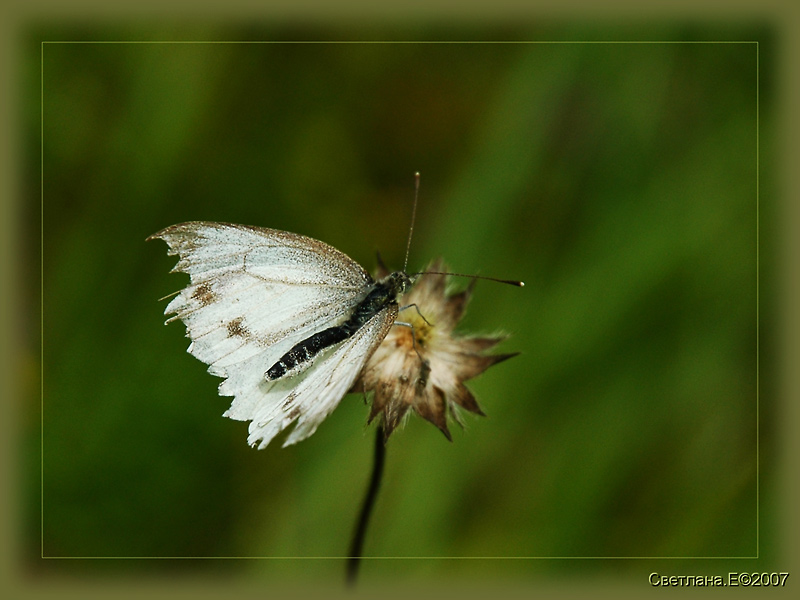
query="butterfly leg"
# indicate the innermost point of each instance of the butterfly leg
(422, 380)
(417, 309)
(413, 338)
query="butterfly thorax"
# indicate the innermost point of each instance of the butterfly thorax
(383, 293)
(380, 296)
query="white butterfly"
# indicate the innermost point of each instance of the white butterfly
(264, 306)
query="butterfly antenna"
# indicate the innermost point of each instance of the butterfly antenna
(413, 216)
(508, 281)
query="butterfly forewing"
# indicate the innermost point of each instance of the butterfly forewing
(254, 294)
(206, 248)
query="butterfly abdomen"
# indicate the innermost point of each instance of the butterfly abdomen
(304, 351)
(382, 294)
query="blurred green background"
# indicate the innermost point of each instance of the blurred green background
(618, 181)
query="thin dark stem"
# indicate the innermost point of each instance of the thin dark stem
(366, 509)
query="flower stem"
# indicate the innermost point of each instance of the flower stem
(356, 545)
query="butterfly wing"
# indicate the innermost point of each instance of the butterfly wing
(255, 293)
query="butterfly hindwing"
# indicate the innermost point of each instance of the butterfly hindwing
(307, 397)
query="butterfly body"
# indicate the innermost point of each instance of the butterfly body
(383, 294)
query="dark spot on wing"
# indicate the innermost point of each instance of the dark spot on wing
(236, 328)
(294, 413)
(204, 294)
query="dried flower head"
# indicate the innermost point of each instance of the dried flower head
(424, 367)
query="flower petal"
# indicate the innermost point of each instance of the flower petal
(476, 345)
(471, 365)
(433, 408)
(464, 398)
(456, 305)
